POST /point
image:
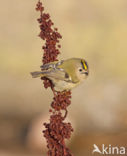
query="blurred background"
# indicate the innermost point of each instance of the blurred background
(94, 30)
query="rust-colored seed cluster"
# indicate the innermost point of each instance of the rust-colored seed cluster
(61, 101)
(57, 130)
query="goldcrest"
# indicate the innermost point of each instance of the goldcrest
(64, 74)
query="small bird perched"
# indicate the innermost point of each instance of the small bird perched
(64, 74)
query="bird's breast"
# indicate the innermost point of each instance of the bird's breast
(63, 85)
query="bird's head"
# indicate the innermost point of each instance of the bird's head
(82, 69)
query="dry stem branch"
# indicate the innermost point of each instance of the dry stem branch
(57, 130)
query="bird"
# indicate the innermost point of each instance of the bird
(64, 74)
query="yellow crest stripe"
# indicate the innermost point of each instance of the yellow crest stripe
(84, 64)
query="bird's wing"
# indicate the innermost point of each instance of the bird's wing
(51, 65)
(58, 74)
(52, 70)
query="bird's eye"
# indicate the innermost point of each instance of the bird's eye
(80, 70)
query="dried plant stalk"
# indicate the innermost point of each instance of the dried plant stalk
(57, 130)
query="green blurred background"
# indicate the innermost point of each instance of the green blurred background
(94, 30)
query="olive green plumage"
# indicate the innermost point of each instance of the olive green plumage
(65, 74)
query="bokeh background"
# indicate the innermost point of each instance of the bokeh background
(94, 30)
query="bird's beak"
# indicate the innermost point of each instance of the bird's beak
(86, 73)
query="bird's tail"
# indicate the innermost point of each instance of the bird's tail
(37, 74)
